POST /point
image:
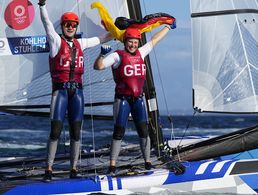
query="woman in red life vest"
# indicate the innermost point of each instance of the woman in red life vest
(66, 69)
(129, 72)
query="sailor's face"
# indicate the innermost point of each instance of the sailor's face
(132, 45)
(69, 28)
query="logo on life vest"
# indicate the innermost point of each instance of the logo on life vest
(66, 63)
(135, 70)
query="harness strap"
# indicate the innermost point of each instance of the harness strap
(130, 99)
(72, 65)
(67, 85)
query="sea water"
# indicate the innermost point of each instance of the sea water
(27, 136)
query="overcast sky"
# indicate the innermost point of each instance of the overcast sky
(172, 56)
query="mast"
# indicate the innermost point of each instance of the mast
(155, 132)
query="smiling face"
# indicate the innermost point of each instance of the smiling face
(131, 45)
(69, 29)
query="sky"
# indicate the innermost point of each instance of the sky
(172, 58)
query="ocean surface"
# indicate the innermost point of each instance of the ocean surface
(27, 136)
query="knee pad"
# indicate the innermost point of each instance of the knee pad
(75, 130)
(119, 132)
(56, 127)
(142, 129)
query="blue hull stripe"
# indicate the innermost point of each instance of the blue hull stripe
(119, 183)
(110, 183)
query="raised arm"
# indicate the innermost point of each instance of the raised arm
(146, 49)
(159, 35)
(53, 38)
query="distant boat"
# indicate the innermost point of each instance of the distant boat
(225, 80)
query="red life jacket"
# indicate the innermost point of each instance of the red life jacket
(60, 64)
(130, 75)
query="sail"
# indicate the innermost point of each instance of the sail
(25, 82)
(225, 55)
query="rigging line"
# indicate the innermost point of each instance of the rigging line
(155, 113)
(81, 143)
(162, 85)
(81, 139)
(187, 127)
(182, 137)
(91, 107)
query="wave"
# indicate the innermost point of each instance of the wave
(33, 146)
(199, 131)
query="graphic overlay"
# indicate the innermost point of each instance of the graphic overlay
(19, 14)
(26, 45)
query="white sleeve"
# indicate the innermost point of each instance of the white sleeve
(53, 38)
(112, 59)
(89, 42)
(145, 49)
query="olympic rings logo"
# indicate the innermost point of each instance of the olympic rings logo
(19, 10)
(20, 21)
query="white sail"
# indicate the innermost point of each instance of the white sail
(24, 69)
(225, 55)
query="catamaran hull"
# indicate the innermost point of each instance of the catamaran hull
(228, 176)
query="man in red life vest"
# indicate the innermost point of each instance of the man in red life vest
(66, 68)
(129, 72)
